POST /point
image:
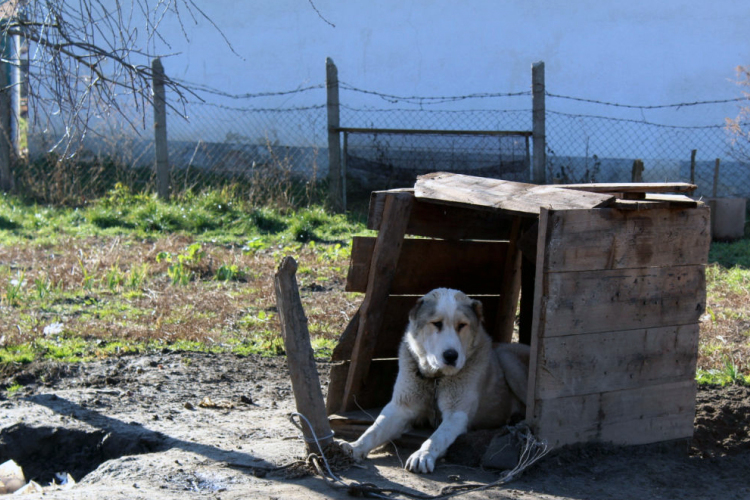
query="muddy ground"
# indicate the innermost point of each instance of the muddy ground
(141, 427)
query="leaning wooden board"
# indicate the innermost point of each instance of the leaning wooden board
(511, 197)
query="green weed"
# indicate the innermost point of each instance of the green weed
(13, 389)
(114, 278)
(229, 272)
(729, 373)
(43, 287)
(87, 280)
(137, 275)
(179, 274)
(14, 290)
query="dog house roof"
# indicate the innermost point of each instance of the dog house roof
(527, 199)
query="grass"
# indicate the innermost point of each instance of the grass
(724, 344)
(130, 273)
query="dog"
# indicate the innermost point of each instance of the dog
(449, 375)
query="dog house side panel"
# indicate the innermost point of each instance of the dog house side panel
(617, 299)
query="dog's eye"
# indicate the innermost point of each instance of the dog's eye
(461, 326)
(438, 324)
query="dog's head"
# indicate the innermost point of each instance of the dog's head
(444, 328)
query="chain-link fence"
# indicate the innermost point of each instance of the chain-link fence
(595, 148)
(275, 149)
(271, 153)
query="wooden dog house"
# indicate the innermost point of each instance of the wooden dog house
(611, 279)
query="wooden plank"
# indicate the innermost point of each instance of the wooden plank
(616, 239)
(526, 306)
(384, 262)
(626, 299)
(337, 375)
(528, 241)
(437, 220)
(474, 267)
(512, 197)
(412, 439)
(611, 361)
(539, 317)
(634, 416)
(651, 201)
(628, 187)
(345, 345)
(674, 200)
(511, 288)
(636, 205)
(308, 396)
(342, 351)
(352, 424)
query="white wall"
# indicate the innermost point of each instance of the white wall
(639, 52)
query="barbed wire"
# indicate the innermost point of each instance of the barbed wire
(197, 87)
(642, 122)
(645, 107)
(248, 109)
(431, 99)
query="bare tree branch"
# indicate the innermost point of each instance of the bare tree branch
(87, 59)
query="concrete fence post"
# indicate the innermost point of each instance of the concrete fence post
(336, 186)
(160, 130)
(539, 153)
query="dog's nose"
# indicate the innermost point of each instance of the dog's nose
(450, 356)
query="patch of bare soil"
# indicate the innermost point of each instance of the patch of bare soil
(169, 426)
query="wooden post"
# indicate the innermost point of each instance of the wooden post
(692, 165)
(385, 256)
(6, 179)
(637, 173)
(305, 382)
(160, 130)
(716, 178)
(335, 173)
(539, 155)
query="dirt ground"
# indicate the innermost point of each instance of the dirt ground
(141, 427)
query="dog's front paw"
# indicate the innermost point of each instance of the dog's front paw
(354, 451)
(421, 461)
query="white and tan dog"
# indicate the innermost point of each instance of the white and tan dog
(450, 376)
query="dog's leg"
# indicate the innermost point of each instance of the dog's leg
(423, 460)
(393, 421)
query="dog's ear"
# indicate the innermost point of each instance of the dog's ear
(476, 306)
(415, 309)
